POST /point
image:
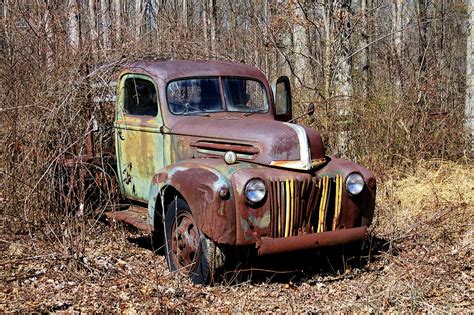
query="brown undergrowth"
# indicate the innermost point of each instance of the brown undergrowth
(421, 260)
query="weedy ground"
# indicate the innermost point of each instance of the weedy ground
(421, 260)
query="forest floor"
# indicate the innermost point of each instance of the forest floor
(421, 260)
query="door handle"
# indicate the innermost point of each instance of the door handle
(119, 133)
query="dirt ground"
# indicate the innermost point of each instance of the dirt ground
(421, 260)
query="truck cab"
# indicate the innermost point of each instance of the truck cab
(206, 149)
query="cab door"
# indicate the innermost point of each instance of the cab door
(138, 140)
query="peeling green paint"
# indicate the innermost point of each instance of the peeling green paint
(139, 145)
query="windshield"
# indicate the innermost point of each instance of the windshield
(242, 95)
(203, 95)
(194, 96)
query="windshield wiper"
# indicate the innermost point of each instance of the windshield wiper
(195, 111)
(195, 114)
(253, 112)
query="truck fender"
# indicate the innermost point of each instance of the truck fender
(365, 202)
(206, 190)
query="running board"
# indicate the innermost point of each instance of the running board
(135, 215)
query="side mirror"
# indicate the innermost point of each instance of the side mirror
(281, 89)
(310, 109)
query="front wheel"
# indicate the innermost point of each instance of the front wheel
(188, 251)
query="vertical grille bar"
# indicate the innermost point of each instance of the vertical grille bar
(282, 208)
(273, 217)
(310, 208)
(323, 203)
(291, 204)
(288, 208)
(302, 208)
(277, 210)
(338, 202)
(296, 222)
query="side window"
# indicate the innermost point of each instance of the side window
(140, 97)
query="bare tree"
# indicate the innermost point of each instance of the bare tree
(117, 18)
(301, 53)
(48, 30)
(328, 39)
(184, 15)
(138, 18)
(93, 21)
(205, 27)
(397, 27)
(73, 24)
(364, 47)
(212, 20)
(105, 24)
(422, 21)
(343, 60)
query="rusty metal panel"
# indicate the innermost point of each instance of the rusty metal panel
(199, 182)
(352, 209)
(135, 215)
(269, 218)
(268, 245)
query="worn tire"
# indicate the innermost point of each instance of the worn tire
(188, 250)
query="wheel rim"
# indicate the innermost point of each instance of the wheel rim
(185, 242)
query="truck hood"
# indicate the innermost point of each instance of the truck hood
(266, 142)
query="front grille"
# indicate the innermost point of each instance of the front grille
(301, 207)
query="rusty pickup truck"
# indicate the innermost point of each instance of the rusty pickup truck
(207, 155)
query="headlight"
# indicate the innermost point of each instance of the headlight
(255, 190)
(354, 183)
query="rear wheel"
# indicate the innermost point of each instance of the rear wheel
(188, 251)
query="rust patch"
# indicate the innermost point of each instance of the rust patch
(267, 245)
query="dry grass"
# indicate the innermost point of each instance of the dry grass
(437, 190)
(422, 262)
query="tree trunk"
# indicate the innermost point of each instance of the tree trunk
(422, 8)
(397, 25)
(73, 24)
(327, 59)
(423, 30)
(266, 19)
(343, 69)
(343, 90)
(470, 78)
(301, 52)
(364, 45)
(93, 21)
(184, 16)
(48, 29)
(205, 24)
(138, 19)
(105, 24)
(117, 18)
(212, 25)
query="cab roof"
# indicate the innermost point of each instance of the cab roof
(173, 69)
